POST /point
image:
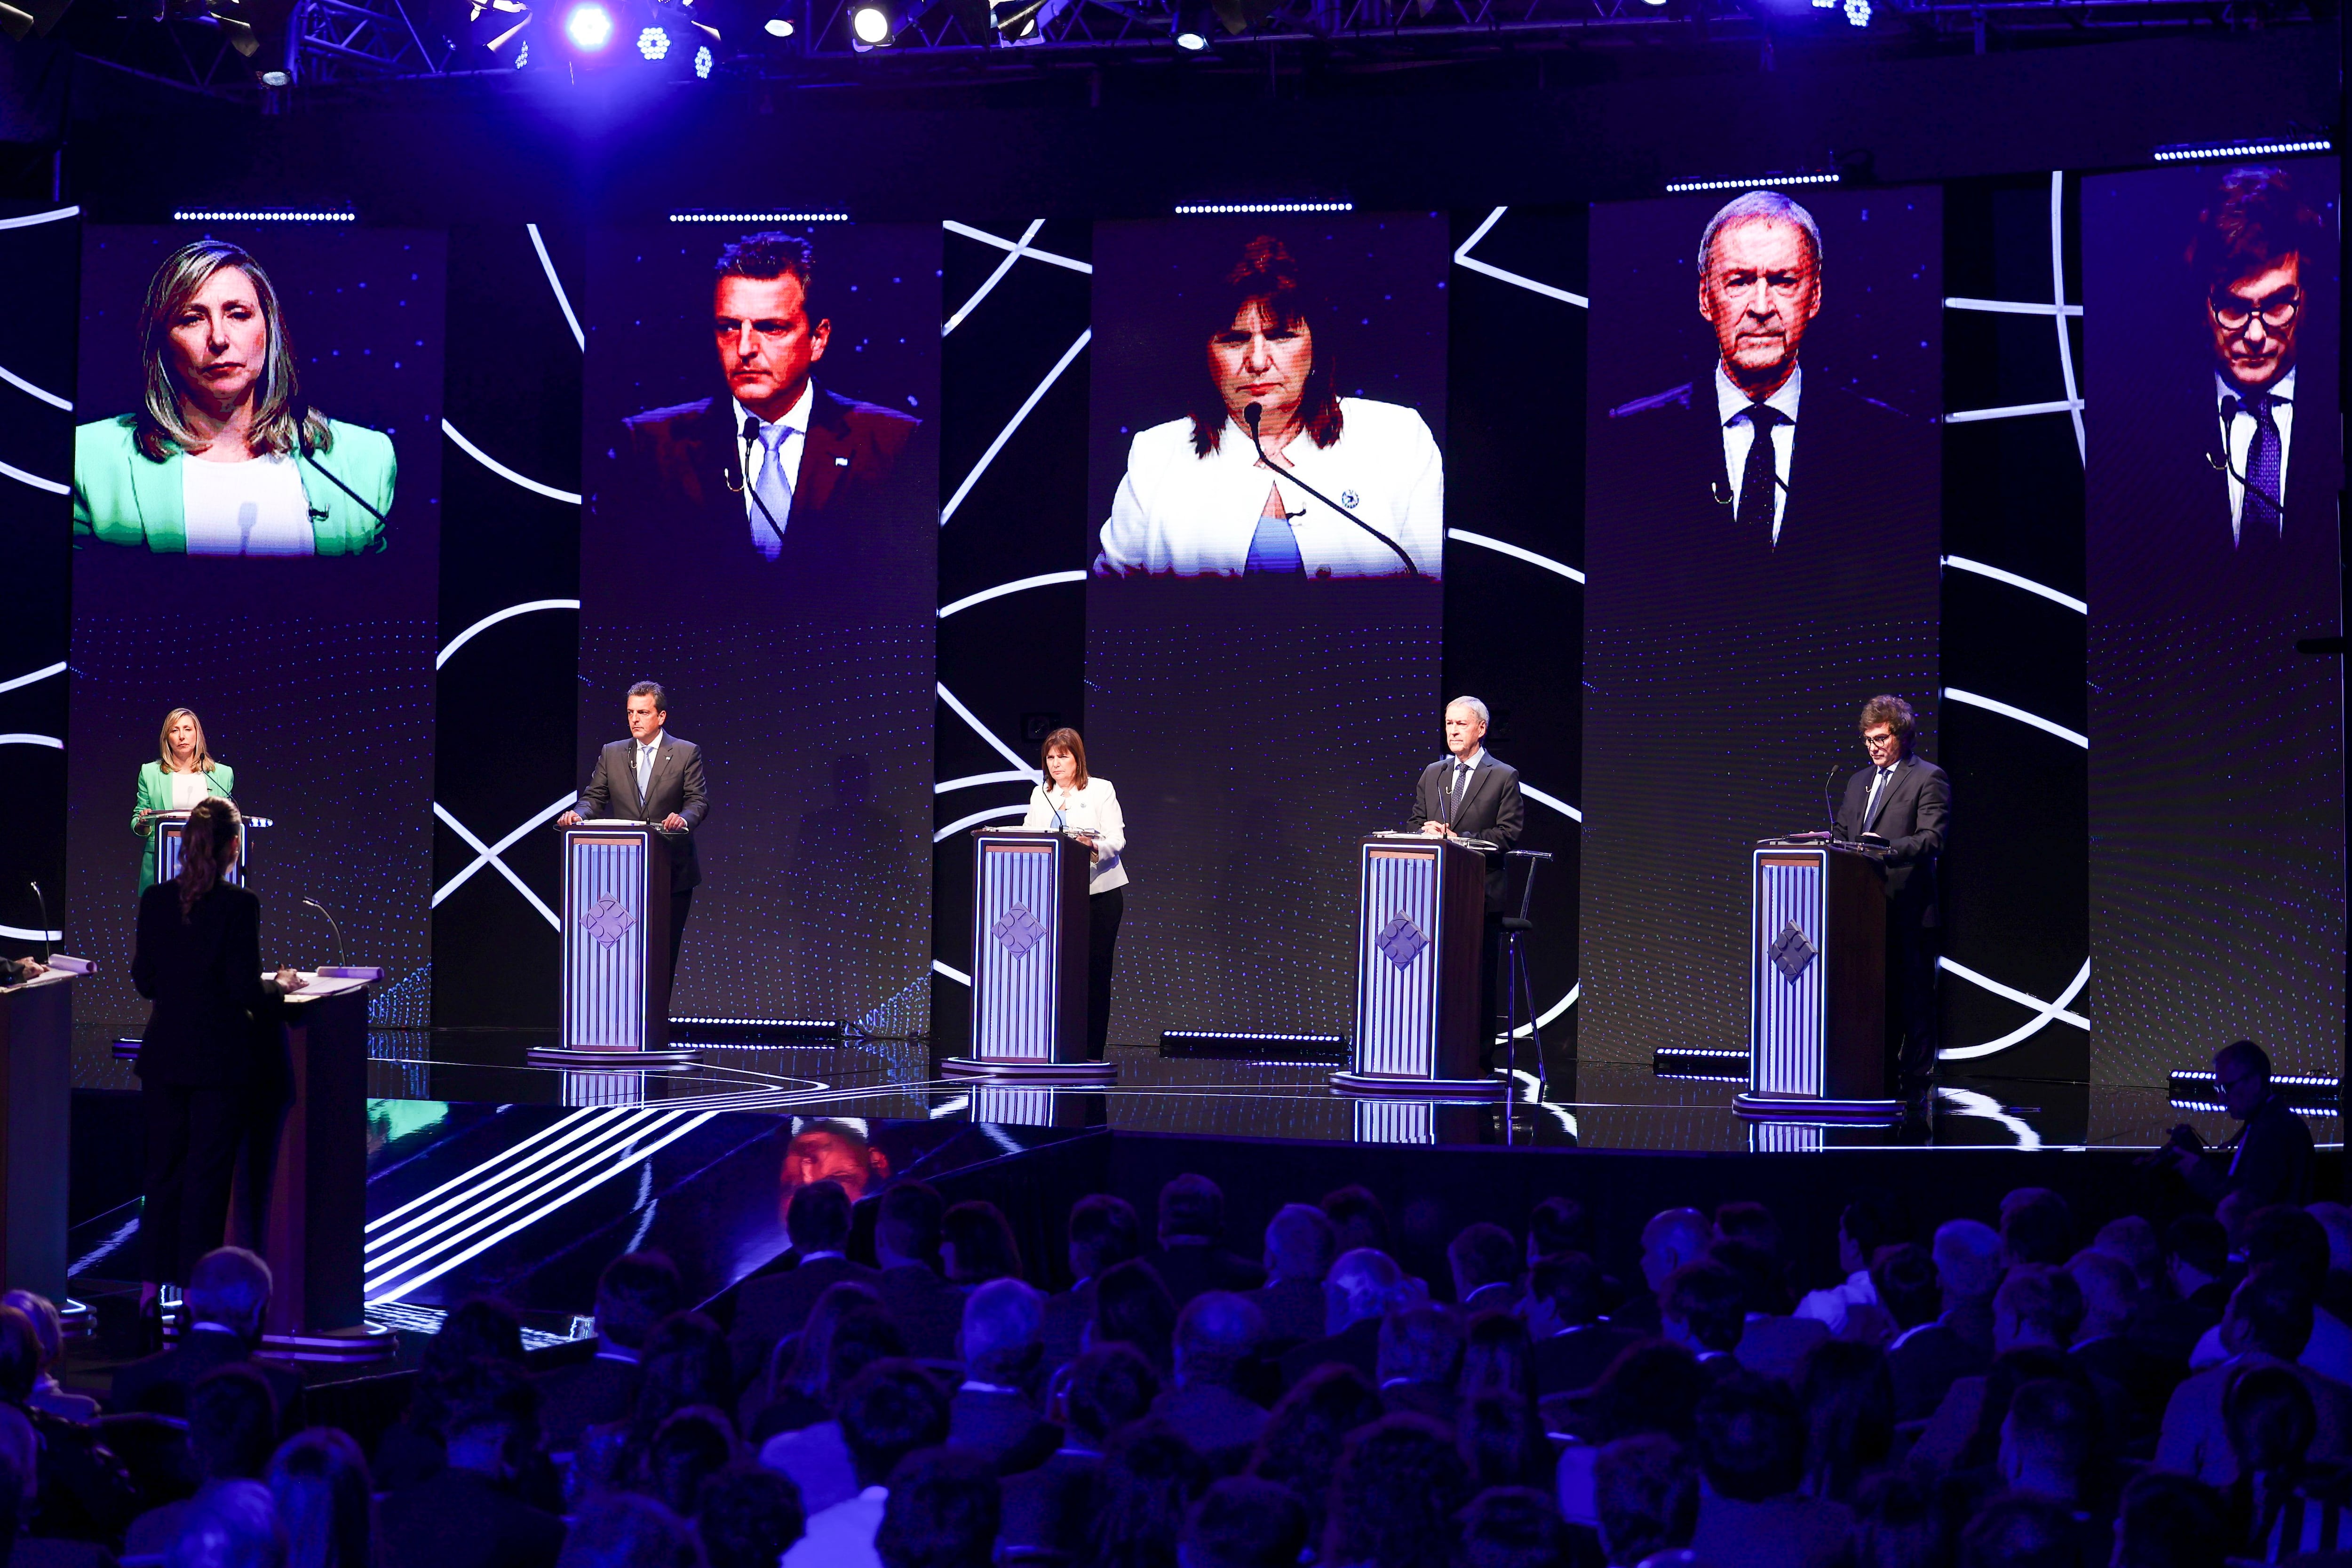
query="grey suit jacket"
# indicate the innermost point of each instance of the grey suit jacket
(1914, 810)
(1491, 809)
(675, 785)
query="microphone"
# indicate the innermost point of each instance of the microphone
(1251, 414)
(300, 408)
(342, 959)
(43, 901)
(752, 439)
(1829, 805)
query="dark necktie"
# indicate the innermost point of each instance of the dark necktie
(2260, 514)
(1762, 477)
(1453, 787)
(1877, 798)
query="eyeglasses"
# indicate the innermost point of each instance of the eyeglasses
(2233, 312)
(2227, 1084)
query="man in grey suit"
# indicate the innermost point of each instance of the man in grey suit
(655, 777)
(1471, 793)
(1903, 803)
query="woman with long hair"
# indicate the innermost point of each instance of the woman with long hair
(1071, 800)
(198, 959)
(977, 1246)
(320, 1482)
(183, 774)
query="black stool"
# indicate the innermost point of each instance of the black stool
(1518, 979)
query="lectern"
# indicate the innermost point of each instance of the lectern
(1419, 926)
(1029, 942)
(37, 1077)
(1817, 984)
(617, 976)
(171, 824)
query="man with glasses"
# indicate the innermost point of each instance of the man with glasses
(2269, 1159)
(2249, 257)
(1901, 803)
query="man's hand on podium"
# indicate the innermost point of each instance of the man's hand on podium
(1437, 829)
(673, 823)
(288, 980)
(568, 819)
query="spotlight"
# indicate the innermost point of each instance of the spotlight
(652, 43)
(869, 25)
(1857, 13)
(778, 25)
(522, 56)
(702, 63)
(1015, 20)
(589, 26)
(1191, 24)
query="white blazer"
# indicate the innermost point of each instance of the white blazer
(1188, 516)
(1093, 809)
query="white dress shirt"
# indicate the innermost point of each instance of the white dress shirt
(841, 1536)
(1188, 516)
(2237, 439)
(1731, 406)
(788, 452)
(1093, 809)
(254, 507)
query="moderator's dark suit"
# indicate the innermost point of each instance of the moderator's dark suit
(675, 784)
(1491, 808)
(1913, 811)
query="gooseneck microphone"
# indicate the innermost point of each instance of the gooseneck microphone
(42, 899)
(342, 959)
(300, 408)
(1829, 805)
(1251, 415)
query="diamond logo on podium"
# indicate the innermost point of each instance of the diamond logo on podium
(1790, 952)
(608, 921)
(1399, 941)
(1017, 930)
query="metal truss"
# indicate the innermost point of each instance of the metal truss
(345, 41)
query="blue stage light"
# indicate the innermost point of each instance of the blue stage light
(702, 63)
(1857, 13)
(870, 28)
(589, 26)
(653, 43)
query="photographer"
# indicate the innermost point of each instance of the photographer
(2269, 1159)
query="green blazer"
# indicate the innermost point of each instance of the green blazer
(155, 795)
(122, 497)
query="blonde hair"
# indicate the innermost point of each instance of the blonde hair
(163, 427)
(208, 848)
(163, 739)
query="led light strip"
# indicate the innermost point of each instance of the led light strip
(1765, 182)
(759, 217)
(2189, 151)
(206, 215)
(1213, 209)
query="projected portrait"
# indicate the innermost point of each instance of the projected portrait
(1271, 473)
(223, 455)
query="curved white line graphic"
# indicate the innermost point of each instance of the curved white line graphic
(547, 264)
(1002, 243)
(958, 975)
(43, 674)
(55, 215)
(1540, 798)
(2058, 297)
(39, 484)
(1040, 581)
(1545, 562)
(2016, 411)
(1018, 775)
(1019, 250)
(1461, 258)
(1955, 694)
(2014, 581)
(2010, 307)
(1019, 414)
(1968, 1102)
(19, 933)
(32, 740)
(983, 732)
(1563, 1005)
(550, 491)
(21, 385)
(486, 622)
(974, 820)
(2044, 1011)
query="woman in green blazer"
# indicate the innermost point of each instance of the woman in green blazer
(222, 456)
(182, 774)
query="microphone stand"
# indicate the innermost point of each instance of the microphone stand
(1251, 415)
(1828, 804)
(342, 959)
(43, 901)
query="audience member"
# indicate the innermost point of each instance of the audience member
(2272, 1423)
(1771, 1344)
(1651, 1388)
(941, 1511)
(1394, 1495)
(689, 1448)
(888, 1411)
(2198, 1281)
(481, 1328)
(320, 1484)
(1484, 1263)
(20, 1488)
(2336, 1221)
(1192, 1255)
(232, 1431)
(1503, 1442)
(1646, 1495)
(2036, 1226)
(1363, 1287)
(2292, 1240)
(1927, 1354)
(81, 1491)
(1968, 1267)
(976, 1245)
(908, 1224)
(1150, 1479)
(2169, 1522)
(234, 1525)
(1304, 1434)
(992, 1413)
(1703, 1308)
(1556, 1225)
(1105, 1231)
(1133, 1308)
(1512, 1526)
(636, 1290)
(1872, 1221)
(1848, 1400)
(466, 1515)
(2268, 1322)
(1243, 1522)
(750, 1518)
(1496, 1358)
(847, 1333)
(1358, 1219)
(1562, 1310)
(624, 1529)
(48, 1332)
(2136, 1384)
(1300, 1245)
(1749, 1222)
(1052, 1506)
(1218, 1334)
(769, 1306)
(2018, 1530)
(2049, 1443)
(1751, 1454)
(1672, 1239)
(2037, 1307)
(686, 1363)
(227, 1297)
(2132, 1242)
(1420, 1357)
(1897, 1525)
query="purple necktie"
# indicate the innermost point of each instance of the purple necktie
(2261, 506)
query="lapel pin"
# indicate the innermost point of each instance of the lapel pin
(841, 462)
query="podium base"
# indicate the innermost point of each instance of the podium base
(1383, 1087)
(1081, 1074)
(1752, 1107)
(576, 1058)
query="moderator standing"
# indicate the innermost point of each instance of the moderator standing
(1906, 801)
(653, 776)
(1073, 801)
(183, 774)
(1471, 793)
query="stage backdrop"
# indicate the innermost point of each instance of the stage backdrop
(1256, 724)
(803, 669)
(1725, 670)
(2217, 786)
(306, 651)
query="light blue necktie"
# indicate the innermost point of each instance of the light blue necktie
(774, 489)
(645, 771)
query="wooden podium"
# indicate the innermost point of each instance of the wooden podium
(1817, 985)
(1419, 926)
(36, 1119)
(617, 979)
(1029, 942)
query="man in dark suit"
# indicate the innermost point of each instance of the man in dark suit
(636, 1290)
(1572, 1345)
(1471, 793)
(992, 1413)
(1052, 1507)
(1192, 1256)
(655, 777)
(1362, 1288)
(467, 1514)
(227, 1294)
(1105, 1231)
(771, 1306)
(2269, 1159)
(1903, 801)
(1300, 1244)
(1926, 1356)
(926, 1309)
(1218, 1335)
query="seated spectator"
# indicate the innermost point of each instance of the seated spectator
(234, 1525)
(2169, 1522)
(1394, 1495)
(1497, 1359)
(1651, 1388)
(2049, 1444)
(2102, 1348)
(482, 1329)
(1218, 1335)
(1300, 1247)
(2292, 1239)
(769, 1306)
(1052, 1507)
(1556, 1225)
(976, 1245)
(1897, 1525)
(2036, 1226)
(1848, 1400)
(751, 1517)
(686, 1363)
(1512, 1526)
(1503, 1444)
(2336, 1221)
(1356, 1218)
(1870, 1222)
(992, 1413)
(1703, 1308)
(888, 1411)
(2038, 1308)
(2198, 1279)
(1968, 1267)
(81, 1489)
(1751, 1223)
(941, 1511)
(1672, 1238)
(1645, 1494)
(1133, 1308)
(623, 1530)
(1484, 1263)
(1771, 1342)
(1751, 1449)
(1562, 1310)
(1420, 1356)
(636, 1290)
(1362, 1288)
(2018, 1530)
(232, 1431)
(2272, 1422)
(928, 1310)
(465, 1515)
(2268, 1322)
(1150, 1478)
(689, 1447)
(2132, 1242)
(1925, 1355)
(1192, 1256)
(19, 1486)
(320, 1482)
(1243, 1522)
(1104, 1232)
(847, 1333)
(226, 1299)
(48, 1332)
(1304, 1434)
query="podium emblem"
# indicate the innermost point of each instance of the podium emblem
(1017, 930)
(1399, 941)
(1790, 952)
(608, 921)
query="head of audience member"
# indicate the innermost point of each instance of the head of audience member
(1303, 1439)
(48, 1329)
(1150, 1478)
(2110, 1294)
(1242, 1522)
(2010, 1371)
(2036, 1226)
(1497, 1357)
(2269, 1315)
(2020, 1530)
(1393, 1497)
(1564, 1292)
(2234, 1211)
(627, 1530)
(1967, 1262)
(1871, 1221)
(1358, 1218)
(1502, 1442)
(1191, 1211)
(1751, 1222)
(2287, 1237)
(2049, 1438)
(232, 1525)
(2166, 1521)
(2132, 1242)
(1905, 1279)
(887, 1412)
(1132, 1307)
(835, 1149)
(1848, 1399)
(20, 1472)
(1751, 1438)
(1419, 1345)
(1512, 1526)
(1217, 1333)
(942, 1513)
(636, 1290)
(1104, 1231)
(1672, 1239)
(751, 1517)
(1703, 1308)
(977, 1244)
(2195, 1253)
(1110, 1387)
(907, 1223)
(1897, 1524)
(818, 1220)
(1559, 1225)
(1645, 1491)
(492, 1428)
(847, 1331)
(1480, 1257)
(20, 1356)
(2271, 1420)
(1364, 1283)
(2036, 1305)
(1000, 1324)
(1300, 1244)
(320, 1481)
(687, 1362)
(1650, 1387)
(1761, 1280)
(689, 1448)
(230, 1287)
(482, 1329)
(232, 1424)
(2333, 1218)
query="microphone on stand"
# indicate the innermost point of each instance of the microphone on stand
(1828, 804)
(342, 959)
(43, 901)
(1251, 414)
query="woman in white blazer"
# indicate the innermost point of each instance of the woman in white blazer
(1071, 800)
(1197, 501)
